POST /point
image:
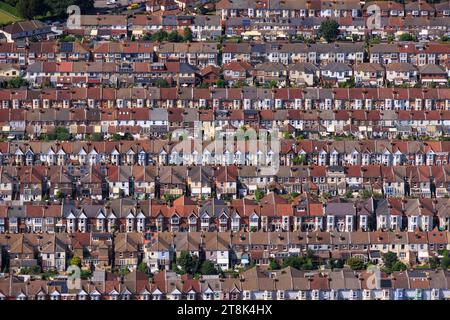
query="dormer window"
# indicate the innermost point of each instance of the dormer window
(205, 220)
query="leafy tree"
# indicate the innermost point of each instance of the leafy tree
(124, 271)
(434, 262)
(62, 134)
(356, 263)
(335, 263)
(96, 137)
(329, 30)
(259, 194)
(85, 5)
(59, 8)
(348, 83)
(187, 34)
(170, 198)
(59, 195)
(389, 259)
(407, 37)
(366, 194)
(173, 36)
(85, 274)
(445, 38)
(208, 268)
(116, 137)
(240, 84)
(75, 261)
(399, 266)
(142, 267)
(188, 263)
(49, 274)
(161, 83)
(28, 8)
(287, 135)
(299, 159)
(160, 35)
(306, 262)
(220, 83)
(203, 85)
(34, 270)
(17, 82)
(67, 38)
(445, 261)
(271, 84)
(273, 264)
(294, 262)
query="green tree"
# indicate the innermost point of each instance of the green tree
(299, 159)
(399, 266)
(17, 82)
(356, 263)
(187, 34)
(142, 267)
(34, 270)
(59, 195)
(62, 134)
(124, 271)
(208, 268)
(59, 8)
(329, 30)
(306, 262)
(173, 36)
(349, 194)
(188, 263)
(389, 259)
(366, 194)
(161, 83)
(445, 261)
(75, 261)
(294, 262)
(259, 194)
(287, 135)
(116, 137)
(407, 37)
(67, 38)
(335, 263)
(240, 84)
(273, 264)
(445, 38)
(85, 274)
(220, 83)
(271, 84)
(86, 6)
(350, 83)
(96, 137)
(49, 274)
(28, 8)
(160, 35)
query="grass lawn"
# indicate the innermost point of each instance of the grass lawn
(6, 18)
(8, 14)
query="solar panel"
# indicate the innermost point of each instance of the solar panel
(66, 47)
